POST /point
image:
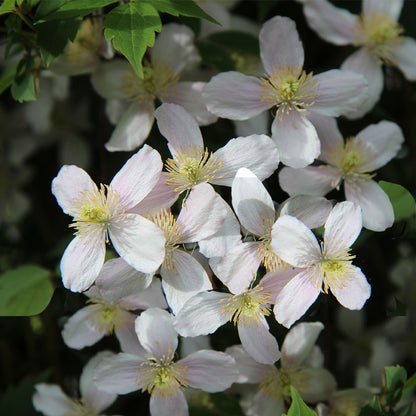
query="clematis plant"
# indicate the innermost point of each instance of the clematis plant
(101, 215)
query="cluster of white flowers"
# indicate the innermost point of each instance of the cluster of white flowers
(186, 268)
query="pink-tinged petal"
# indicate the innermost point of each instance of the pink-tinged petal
(186, 279)
(340, 92)
(377, 211)
(201, 314)
(355, 291)
(81, 331)
(259, 342)
(178, 127)
(329, 136)
(235, 96)
(312, 180)
(138, 176)
(175, 47)
(299, 342)
(154, 328)
(295, 299)
(118, 373)
(363, 62)
(343, 225)
(68, 184)
(109, 77)
(189, 96)
(296, 139)
(202, 214)
(252, 203)
(386, 138)
(140, 242)
(97, 400)
(256, 152)
(391, 7)
(115, 108)
(294, 242)
(218, 244)
(127, 337)
(333, 24)
(168, 405)
(161, 196)
(250, 370)
(118, 279)
(280, 45)
(319, 385)
(151, 297)
(211, 371)
(50, 400)
(404, 56)
(313, 211)
(274, 282)
(82, 261)
(238, 268)
(133, 128)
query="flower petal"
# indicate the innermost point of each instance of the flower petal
(259, 342)
(140, 242)
(298, 343)
(343, 225)
(274, 282)
(235, 96)
(174, 404)
(294, 242)
(133, 128)
(252, 203)
(391, 7)
(280, 45)
(404, 54)
(178, 127)
(355, 291)
(340, 92)
(82, 261)
(50, 400)
(377, 211)
(312, 180)
(127, 337)
(210, 371)
(201, 314)
(296, 139)
(319, 385)
(154, 328)
(138, 176)
(333, 24)
(295, 299)
(256, 152)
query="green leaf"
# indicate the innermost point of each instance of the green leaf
(405, 410)
(395, 379)
(404, 205)
(212, 55)
(409, 387)
(25, 291)
(23, 88)
(372, 409)
(298, 406)
(131, 27)
(238, 41)
(73, 8)
(53, 37)
(7, 76)
(7, 6)
(47, 7)
(181, 7)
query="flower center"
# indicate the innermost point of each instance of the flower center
(158, 80)
(380, 33)
(251, 305)
(289, 88)
(162, 377)
(191, 167)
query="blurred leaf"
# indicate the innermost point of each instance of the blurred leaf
(53, 37)
(405, 410)
(239, 41)
(181, 7)
(395, 379)
(131, 27)
(25, 291)
(17, 400)
(399, 309)
(213, 55)
(47, 7)
(404, 205)
(218, 404)
(7, 6)
(7, 76)
(298, 406)
(23, 88)
(71, 8)
(372, 409)
(409, 387)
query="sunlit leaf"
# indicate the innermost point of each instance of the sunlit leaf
(7, 7)
(404, 205)
(298, 406)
